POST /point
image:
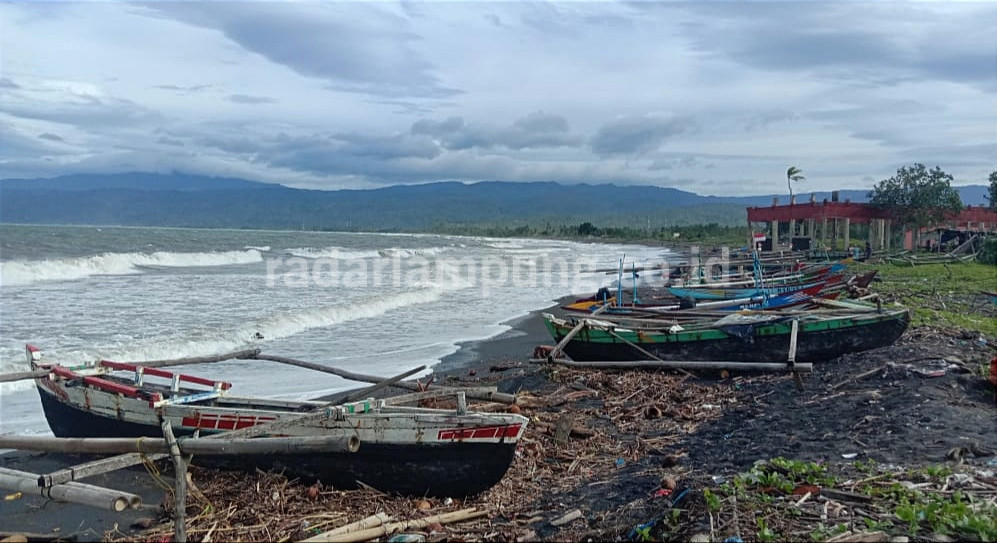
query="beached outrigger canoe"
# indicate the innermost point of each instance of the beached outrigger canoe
(406, 450)
(752, 337)
(699, 293)
(759, 303)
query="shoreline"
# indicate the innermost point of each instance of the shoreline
(763, 416)
(37, 515)
(525, 332)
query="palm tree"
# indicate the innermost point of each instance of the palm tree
(793, 174)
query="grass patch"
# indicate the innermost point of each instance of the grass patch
(782, 499)
(941, 294)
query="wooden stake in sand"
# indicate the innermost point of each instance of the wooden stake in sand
(180, 498)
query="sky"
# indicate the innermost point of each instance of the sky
(717, 98)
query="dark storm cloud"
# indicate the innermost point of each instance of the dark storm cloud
(372, 53)
(438, 128)
(636, 135)
(51, 137)
(857, 41)
(248, 99)
(536, 130)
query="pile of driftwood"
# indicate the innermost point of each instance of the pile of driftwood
(580, 434)
(231, 506)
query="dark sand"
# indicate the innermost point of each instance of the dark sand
(903, 415)
(36, 514)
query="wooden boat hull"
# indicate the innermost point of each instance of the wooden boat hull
(732, 293)
(818, 340)
(442, 470)
(404, 450)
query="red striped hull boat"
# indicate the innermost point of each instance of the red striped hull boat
(405, 450)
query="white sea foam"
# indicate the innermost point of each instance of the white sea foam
(404, 253)
(338, 253)
(272, 327)
(342, 253)
(24, 272)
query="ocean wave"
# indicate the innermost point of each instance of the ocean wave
(24, 272)
(504, 245)
(262, 248)
(273, 327)
(407, 253)
(341, 253)
(338, 253)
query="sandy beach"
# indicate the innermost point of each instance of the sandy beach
(919, 405)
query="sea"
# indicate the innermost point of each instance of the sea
(378, 304)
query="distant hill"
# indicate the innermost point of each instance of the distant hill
(136, 181)
(193, 201)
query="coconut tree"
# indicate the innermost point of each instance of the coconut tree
(793, 174)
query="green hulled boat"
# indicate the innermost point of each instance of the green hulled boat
(753, 337)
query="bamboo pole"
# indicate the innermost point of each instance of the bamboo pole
(205, 446)
(493, 396)
(180, 498)
(643, 350)
(363, 524)
(365, 393)
(94, 496)
(686, 364)
(436, 393)
(95, 467)
(235, 355)
(385, 529)
(567, 338)
(20, 376)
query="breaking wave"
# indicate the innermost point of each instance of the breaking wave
(341, 253)
(338, 253)
(277, 326)
(24, 272)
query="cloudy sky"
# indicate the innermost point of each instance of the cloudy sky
(712, 97)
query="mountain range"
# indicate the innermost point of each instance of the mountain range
(183, 200)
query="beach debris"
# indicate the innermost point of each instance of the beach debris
(567, 517)
(407, 538)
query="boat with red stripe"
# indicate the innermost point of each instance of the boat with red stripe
(406, 450)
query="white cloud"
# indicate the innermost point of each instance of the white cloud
(358, 95)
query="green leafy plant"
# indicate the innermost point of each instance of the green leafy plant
(712, 500)
(765, 534)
